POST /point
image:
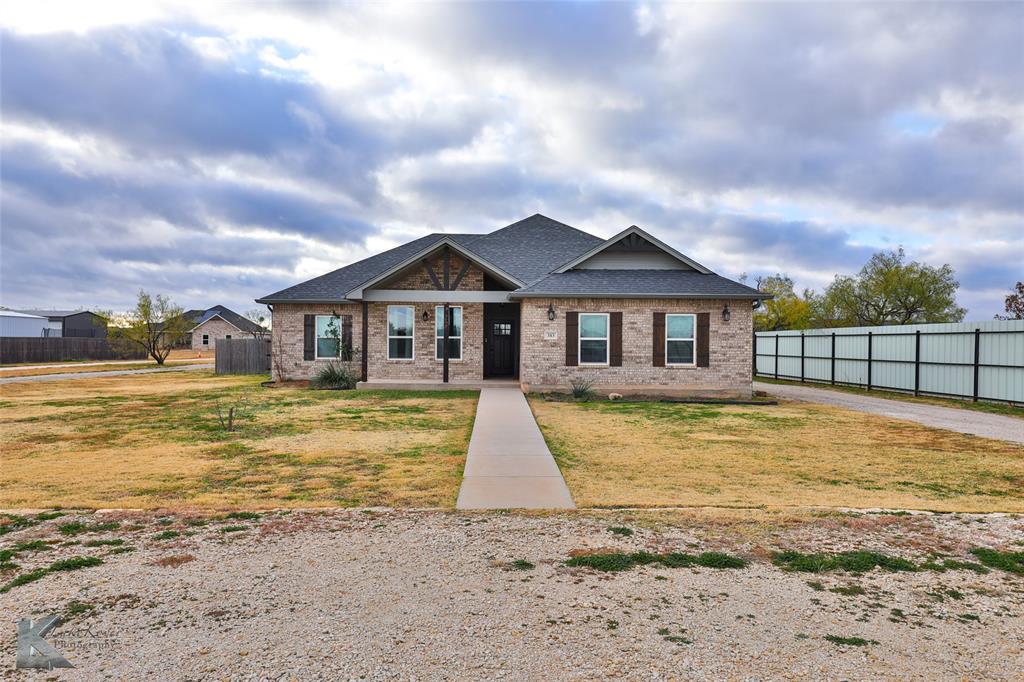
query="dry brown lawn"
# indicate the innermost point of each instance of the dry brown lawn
(156, 441)
(104, 367)
(793, 454)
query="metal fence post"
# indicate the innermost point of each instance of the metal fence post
(753, 351)
(977, 361)
(801, 357)
(870, 337)
(776, 355)
(917, 362)
(833, 372)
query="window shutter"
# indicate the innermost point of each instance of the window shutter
(572, 339)
(615, 340)
(346, 336)
(308, 337)
(703, 340)
(659, 339)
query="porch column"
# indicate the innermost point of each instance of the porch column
(444, 352)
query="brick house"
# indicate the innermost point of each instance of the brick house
(218, 322)
(537, 302)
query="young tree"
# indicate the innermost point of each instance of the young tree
(1014, 304)
(889, 290)
(260, 318)
(785, 310)
(156, 324)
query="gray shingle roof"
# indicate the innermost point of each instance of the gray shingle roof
(639, 283)
(528, 250)
(53, 313)
(244, 324)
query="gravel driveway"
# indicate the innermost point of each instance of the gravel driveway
(951, 418)
(387, 595)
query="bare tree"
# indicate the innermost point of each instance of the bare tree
(259, 318)
(156, 324)
(1014, 304)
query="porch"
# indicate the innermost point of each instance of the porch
(435, 384)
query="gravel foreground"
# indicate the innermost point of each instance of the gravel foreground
(382, 595)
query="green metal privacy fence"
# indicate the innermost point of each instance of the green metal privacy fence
(976, 360)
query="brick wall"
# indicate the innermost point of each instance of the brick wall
(542, 361)
(216, 329)
(286, 355)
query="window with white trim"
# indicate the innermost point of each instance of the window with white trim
(680, 339)
(401, 327)
(593, 341)
(328, 336)
(454, 332)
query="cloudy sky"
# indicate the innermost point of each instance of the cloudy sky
(220, 153)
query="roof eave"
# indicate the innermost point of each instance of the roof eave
(604, 294)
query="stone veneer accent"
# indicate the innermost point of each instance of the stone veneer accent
(542, 362)
(216, 328)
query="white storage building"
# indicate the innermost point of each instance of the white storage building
(13, 323)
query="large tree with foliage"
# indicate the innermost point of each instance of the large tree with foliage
(889, 290)
(1014, 304)
(156, 324)
(785, 310)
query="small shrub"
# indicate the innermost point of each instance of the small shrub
(849, 641)
(113, 542)
(12, 522)
(47, 516)
(619, 561)
(75, 563)
(521, 565)
(31, 546)
(621, 530)
(77, 527)
(77, 608)
(24, 579)
(1012, 562)
(233, 529)
(166, 535)
(242, 515)
(849, 590)
(582, 389)
(174, 561)
(335, 375)
(853, 562)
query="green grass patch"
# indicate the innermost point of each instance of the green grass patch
(32, 546)
(242, 515)
(620, 561)
(113, 542)
(24, 579)
(621, 530)
(852, 562)
(1011, 562)
(953, 565)
(521, 565)
(77, 608)
(49, 515)
(849, 590)
(233, 529)
(12, 522)
(849, 641)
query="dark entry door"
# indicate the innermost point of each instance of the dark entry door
(501, 335)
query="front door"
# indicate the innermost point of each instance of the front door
(501, 347)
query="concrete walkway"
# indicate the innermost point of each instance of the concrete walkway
(951, 418)
(94, 375)
(509, 465)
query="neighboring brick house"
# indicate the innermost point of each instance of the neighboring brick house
(219, 322)
(537, 301)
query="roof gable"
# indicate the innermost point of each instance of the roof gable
(634, 240)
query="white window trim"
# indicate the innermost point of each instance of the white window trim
(387, 328)
(317, 337)
(436, 337)
(694, 339)
(607, 338)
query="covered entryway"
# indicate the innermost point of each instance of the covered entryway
(501, 340)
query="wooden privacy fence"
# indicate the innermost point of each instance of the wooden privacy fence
(64, 349)
(976, 360)
(243, 356)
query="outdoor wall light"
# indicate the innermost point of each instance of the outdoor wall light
(726, 313)
(426, 316)
(551, 311)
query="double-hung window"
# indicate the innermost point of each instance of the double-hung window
(206, 339)
(680, 339)
(328, 336)
(454, 332)
(401, 326)
(593, 348)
